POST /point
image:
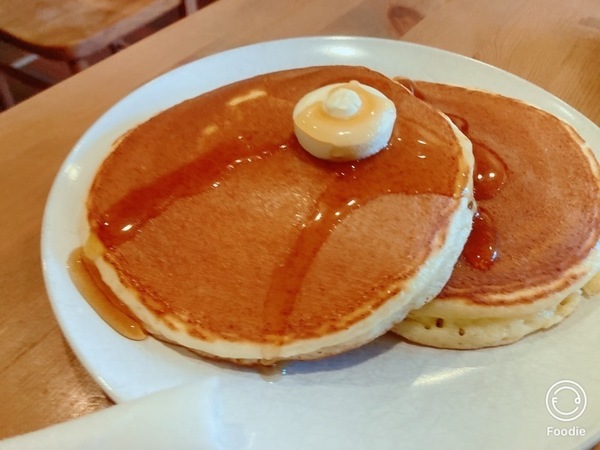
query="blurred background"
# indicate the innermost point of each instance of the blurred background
(51, 71)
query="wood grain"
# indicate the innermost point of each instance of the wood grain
(552, 43)
(73, 29)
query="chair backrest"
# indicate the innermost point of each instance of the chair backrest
(74, 29)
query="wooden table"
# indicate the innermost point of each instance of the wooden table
(553, 43)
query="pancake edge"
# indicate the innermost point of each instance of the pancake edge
(457, 323)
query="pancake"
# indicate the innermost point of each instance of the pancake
(222, 235)
(534, 244)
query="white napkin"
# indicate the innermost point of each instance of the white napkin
(179, 418)
(235, 415)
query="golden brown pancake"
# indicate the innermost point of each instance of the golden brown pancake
(534, 243)
(223, 235)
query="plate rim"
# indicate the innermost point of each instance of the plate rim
(584, 126)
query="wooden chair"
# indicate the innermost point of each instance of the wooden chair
(72, 30)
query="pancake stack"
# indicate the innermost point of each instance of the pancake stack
(221, 234)
(218, 232)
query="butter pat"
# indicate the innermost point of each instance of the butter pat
(344, 121)
(342, 103)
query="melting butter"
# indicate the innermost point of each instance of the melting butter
(344, 121)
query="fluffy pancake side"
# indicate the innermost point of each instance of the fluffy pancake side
(222, 235)
(545, 219)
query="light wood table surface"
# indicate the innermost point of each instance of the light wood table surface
(552, 43)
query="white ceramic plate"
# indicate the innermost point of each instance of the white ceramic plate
(388, 394)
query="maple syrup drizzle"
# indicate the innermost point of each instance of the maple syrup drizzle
(107, 305)
(128, 216)
(489, 176)
(481, 249)
(351, 185)
(332, 207)
(274, 373)
(490, 172)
